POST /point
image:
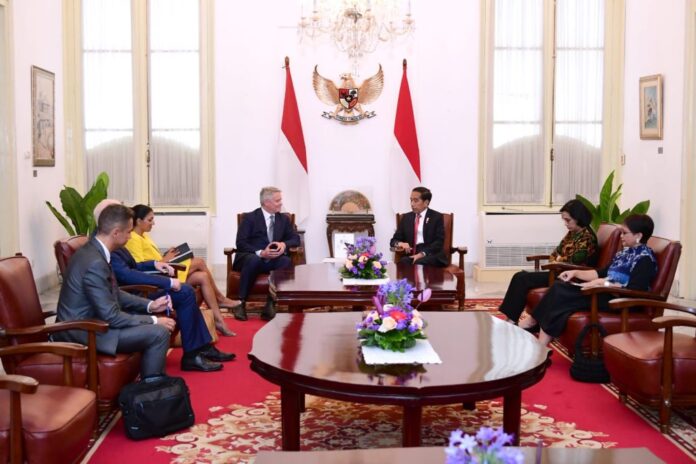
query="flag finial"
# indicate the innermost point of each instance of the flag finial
(404, 63)
(287, 61)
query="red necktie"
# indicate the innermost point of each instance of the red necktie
(415, 232)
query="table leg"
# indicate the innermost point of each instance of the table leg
(290, 418)
(303, 408)
(412, 426)
(512, 406)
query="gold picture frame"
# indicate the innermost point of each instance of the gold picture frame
(43, 117)
(651, 107)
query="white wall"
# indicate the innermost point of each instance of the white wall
(655, 39)
(38, 41)
(252, 38)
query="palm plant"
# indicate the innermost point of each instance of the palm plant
(80, 209)
(607, 210)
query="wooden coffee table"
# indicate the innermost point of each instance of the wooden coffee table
(318, 354)
(320, 284)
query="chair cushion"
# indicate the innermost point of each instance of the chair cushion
(258, 291)
(57, 423)
(634, 361)
(610, 321)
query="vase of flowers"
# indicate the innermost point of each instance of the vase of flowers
(394, 324)
(363, 261)
(487, 446)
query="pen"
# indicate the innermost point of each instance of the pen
(169, 304)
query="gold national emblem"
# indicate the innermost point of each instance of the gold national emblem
(347, 98)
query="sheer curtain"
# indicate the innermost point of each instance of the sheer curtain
(107, 59)
(516, 159)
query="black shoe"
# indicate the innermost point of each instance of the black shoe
(199, 363)
(268, 312)
(239, 312)
(213, 354)
(533, 329)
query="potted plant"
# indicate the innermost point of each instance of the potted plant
(80, 209)
(607, 209)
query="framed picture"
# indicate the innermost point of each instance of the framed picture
(651, 107)
(43, 98)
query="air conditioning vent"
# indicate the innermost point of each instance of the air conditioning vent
(514, 255)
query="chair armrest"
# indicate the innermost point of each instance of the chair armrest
(142, 289)
(229, 251)
(673, 321)
(47, 314)
(537, 260)
(461, 250)
(88, 325)
(620, 291)
(560, 267)
(18, 383)
(59, 348)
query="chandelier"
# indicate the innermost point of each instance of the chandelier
(356, 27)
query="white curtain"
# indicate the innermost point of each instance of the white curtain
(515, 161)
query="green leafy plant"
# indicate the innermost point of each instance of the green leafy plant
(80, 209)
(607, 210)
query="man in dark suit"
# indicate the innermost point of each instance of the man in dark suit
(199, 353)
(421, 233)
(90, 291)
(263, 240)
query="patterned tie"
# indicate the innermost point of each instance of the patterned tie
(415, 232)
(271, 225)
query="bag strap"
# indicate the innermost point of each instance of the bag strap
(583, 333)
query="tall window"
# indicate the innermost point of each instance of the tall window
(543, 134)
(141, 66)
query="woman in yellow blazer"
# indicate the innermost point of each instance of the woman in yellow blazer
(143, 248)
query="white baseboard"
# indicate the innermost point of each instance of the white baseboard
(493, 274)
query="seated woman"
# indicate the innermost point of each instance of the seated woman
(633, 267)
(579, 246)
(143, 248)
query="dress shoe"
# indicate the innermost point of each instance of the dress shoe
(199, 363)
(213, 354)
(268, 312)
(240, 312)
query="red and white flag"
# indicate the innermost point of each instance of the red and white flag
(291, 165)
(405, 156)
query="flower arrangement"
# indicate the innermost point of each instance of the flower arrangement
(394, 324)
(363, 261)
(488, 446)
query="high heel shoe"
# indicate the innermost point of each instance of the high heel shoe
(224, 330)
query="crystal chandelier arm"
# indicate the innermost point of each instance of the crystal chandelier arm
(371, 88)
(325, 89)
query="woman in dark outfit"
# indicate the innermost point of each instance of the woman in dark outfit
(579, 246)
(633, 267)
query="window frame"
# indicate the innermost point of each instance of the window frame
(612, 112)
(74, 113)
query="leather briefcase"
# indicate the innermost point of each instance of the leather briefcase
(586, 368)
(155, 407)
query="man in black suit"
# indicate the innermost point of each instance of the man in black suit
(199, 353)
(263, 240)
(421, 233)
(90, 291)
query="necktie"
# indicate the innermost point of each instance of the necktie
(271, 225)
(415, 232)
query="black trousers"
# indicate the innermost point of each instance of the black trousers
(516, 295)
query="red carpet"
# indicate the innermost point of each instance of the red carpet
(237, 414)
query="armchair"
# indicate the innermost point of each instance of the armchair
(259, 291)
(667, 253)
(45, 423)
(457, 270)
(608, 244)
(654, 367)
(23, 322)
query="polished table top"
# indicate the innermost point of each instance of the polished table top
(437, 455)
(477, 351)
(323, 278)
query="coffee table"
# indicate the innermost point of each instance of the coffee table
(318, 354)
(320, 284)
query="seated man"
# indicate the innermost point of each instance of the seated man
(263, 239)
(89, 291)
(421, 233)
(195, 338)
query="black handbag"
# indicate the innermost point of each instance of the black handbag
(586, 368)
(155, 407)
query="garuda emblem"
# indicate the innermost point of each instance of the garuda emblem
(347, 97)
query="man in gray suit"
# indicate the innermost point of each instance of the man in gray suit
(90, 291)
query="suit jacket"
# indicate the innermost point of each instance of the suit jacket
(433, 234)
(128, 272)
(253, 234)
(90, 291)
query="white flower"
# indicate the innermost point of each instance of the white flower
(377, 265)
(387, 307)
(388, 323)
(417, 322)
(374, 315)
(415, 313)
(349, 264)
(362, 259)
(352, 257)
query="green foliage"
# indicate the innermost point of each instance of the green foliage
(608, 210)
(80, 209)
(394, 340)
